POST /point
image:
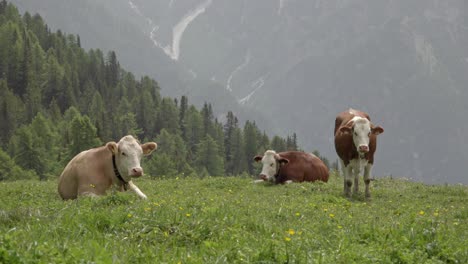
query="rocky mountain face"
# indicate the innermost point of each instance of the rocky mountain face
(297, 63)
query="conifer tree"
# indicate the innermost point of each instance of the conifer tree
(21, 148)
(168, 116)
(83, 135)
(182, 115)
(207, 157)
(278, 144)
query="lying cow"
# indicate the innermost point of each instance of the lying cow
(93, 172)
(291, 166)
(355, 144)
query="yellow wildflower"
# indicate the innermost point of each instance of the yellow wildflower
(331, 215)
(421, 212)
(287, 239)
(291, 232)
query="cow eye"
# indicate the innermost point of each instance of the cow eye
(355, 133)
(271, 165)
(123, 154)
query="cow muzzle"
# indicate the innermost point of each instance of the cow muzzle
(363, 149)
(136, 172)
(263, 177)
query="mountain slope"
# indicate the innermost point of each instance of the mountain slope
(299, 63)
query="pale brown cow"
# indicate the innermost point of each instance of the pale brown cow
(94, 171)
(355, 144)
(291, 166)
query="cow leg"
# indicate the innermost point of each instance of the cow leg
(137, 190)
(367, 177)
(357, 171)
(348, 170)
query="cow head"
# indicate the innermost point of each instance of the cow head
(272, 162)
(361, 129)
(128, 152)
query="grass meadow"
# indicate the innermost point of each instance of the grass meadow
(232, 220)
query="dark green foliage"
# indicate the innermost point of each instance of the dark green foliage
(207, 157)
(83, 135)
(9, 170)
(57, 100)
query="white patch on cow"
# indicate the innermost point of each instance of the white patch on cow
(361, 132)
(258, 181)
(367, 177)
(270, 164)
(128, 157)
(137, 190)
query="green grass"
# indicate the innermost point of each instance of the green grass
(231, 220)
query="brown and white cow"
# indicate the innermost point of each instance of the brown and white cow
(94, 171)
(355, 144)
(291, 166)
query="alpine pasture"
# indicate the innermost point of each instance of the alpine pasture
(232, 220)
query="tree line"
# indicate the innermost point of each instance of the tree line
(56, 99)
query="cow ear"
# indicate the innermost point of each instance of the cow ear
(257, 158)
(345, 130)
(283, 161)
(112, 146)
(149, 147)
(377, 130)
(348, 128)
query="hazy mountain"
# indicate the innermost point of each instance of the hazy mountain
(300, 62)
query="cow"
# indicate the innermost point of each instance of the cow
(291, 166)
(355, 144)
(94, 171)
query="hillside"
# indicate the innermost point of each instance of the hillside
(296, 64)
(58, 99)
(185, 220)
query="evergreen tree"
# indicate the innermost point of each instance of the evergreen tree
(229, 147)
(239, 160)
(168, 116)
(251, 144)
(83, 135)
(194, 129)
(207, 157)
(112, 69)
(145, 113)
(3, 5)
(9, 170)
(97, 114)
(125, 122)
(21, 148)
(278, 144)
(45, 141)
(12, 112)
(207, 114)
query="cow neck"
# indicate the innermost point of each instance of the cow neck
(278, 166)
(117, 173)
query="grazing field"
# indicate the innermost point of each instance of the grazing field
(232, 220)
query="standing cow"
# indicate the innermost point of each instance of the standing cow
(355, 144)
(290, 166)
(93, 172)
